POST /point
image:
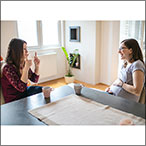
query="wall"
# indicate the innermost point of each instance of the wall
(109, 51)
(98, 52)
(87, 49)
(9, 31)
(98, 49)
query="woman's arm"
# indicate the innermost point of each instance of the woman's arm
(13, 78)
(24, 76)
(37, 64)
(33, 76)
(136, 88)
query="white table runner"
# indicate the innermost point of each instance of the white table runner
(77, 110)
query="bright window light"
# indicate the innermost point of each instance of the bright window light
(133, 29)
(27, 30)
(50, 32)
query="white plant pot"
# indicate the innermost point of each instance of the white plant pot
(69, 79)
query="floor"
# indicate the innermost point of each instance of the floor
(60, 82)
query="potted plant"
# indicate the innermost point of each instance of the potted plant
(69, 77)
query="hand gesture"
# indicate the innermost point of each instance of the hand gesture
(28, 63)
(36, 60)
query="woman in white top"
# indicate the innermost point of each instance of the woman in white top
(131, 79)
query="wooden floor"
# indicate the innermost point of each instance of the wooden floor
(60, 82)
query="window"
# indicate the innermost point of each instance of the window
(50, 32)
(30, 26)
(39, 34)
(133, 29)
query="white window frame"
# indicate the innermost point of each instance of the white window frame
(40, 38)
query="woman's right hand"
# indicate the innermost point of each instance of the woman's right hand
(28, 64)
(107, 89)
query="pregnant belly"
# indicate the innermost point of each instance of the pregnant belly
(115, 89)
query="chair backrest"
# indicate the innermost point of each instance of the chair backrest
(1, 96)
(2, 63)
(142, 96)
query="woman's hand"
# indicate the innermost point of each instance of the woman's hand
(118, 82)
(28, 64)
(36, 63)
(107, 89)
(36, 60)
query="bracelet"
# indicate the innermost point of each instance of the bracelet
(122, 84)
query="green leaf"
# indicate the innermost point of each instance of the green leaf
(69, 75)
(66, 54)
(71, 60)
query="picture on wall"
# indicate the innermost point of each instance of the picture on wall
(74, 33)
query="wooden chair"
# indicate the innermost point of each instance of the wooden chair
(1, 94)
(2, 98)
(142, 96)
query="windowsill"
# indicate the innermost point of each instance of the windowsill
(49, 53)
(44, 49)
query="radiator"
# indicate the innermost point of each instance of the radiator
(48, 66)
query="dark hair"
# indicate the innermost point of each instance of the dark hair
(15, 53)
(136, 50)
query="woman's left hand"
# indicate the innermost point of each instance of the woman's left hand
(36, 60)
(118, 82)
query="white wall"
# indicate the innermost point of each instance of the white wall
(98, 52)
(109, 51)
(98, 49)
(9, 31)
(87, 49)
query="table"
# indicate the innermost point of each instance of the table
(16, 113)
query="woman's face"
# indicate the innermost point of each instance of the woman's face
(124, 52)
(25, 52)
